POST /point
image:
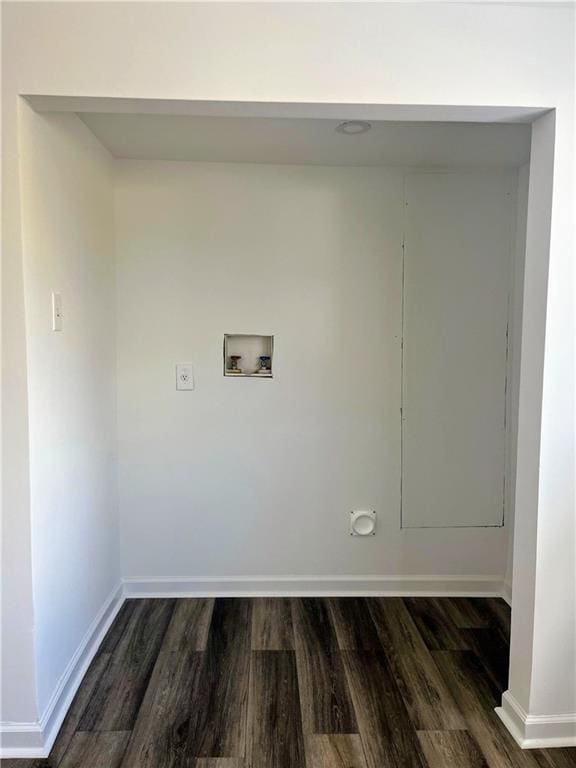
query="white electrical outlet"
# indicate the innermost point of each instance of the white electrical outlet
(184, 376)
(363, 523)
(57, 313)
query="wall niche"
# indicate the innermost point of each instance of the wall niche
(248, 355)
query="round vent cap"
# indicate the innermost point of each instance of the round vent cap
(363, 523)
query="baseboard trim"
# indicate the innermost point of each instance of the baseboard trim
(35, 740)
(536, 731)
(507, 592)
(320, 586)
(21, 740)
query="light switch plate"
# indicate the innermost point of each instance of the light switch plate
(184, 376)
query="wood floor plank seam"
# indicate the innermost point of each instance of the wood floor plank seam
(335, 751)
(324, 694)
(387, 731)
(427, 696)
(275, 737)
(451, 749)
(119, 693)
(218, 729)
(272, 628)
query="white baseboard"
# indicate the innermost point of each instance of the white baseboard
(21, 740)
(320, 586)
(536, 731)
(507, 592)
(35, 740)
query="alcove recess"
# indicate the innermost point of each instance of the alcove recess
(250, 348)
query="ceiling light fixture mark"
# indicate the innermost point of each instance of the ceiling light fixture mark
(353, 127)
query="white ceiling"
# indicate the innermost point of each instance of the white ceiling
(308, 140)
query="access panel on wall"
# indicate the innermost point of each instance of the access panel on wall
(457, 266)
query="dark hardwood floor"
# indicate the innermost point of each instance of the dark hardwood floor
(297, 683)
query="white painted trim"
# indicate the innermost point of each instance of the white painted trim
(21, 740)
(326, 110)
(507, 592)
(320, 586)
(33, 740)
(536, 731)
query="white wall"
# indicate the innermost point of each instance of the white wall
(514, 358)
(458, 54)
(68, 247)
(18, 678)
(553, 679)
(544, 588)
(244, 477)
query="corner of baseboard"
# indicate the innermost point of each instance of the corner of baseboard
(507, 592)
(35, 740)
(536, 731)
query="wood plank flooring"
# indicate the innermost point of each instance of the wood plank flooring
(297, 683)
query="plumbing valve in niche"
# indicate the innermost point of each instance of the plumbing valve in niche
(265, 368)
(234, 365)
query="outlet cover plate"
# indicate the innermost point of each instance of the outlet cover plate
(184, 376)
